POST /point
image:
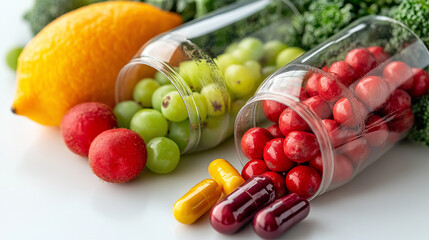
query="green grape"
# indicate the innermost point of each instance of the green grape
(288, 55)
(195, 73)
(242, 55)
(200, 102)
(215, 99)
(159, 95)
(179, 132)
(161, 78)
(268, 70)
(12, 57)
(173, 108)
(149, 123)
(240, 80)
(213, 131)
(124, 111)
(271, 50)
(254, 46)
(224, 60)
(143, 91)
(231, 47)
(163, 155)
(255, 67)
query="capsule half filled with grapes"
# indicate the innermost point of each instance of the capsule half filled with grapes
(241, 205)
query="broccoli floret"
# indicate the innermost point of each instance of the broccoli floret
(415, 15)
(420, 130)
(45, 11)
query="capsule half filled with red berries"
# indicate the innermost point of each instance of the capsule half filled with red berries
(329, 114)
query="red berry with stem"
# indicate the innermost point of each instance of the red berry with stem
(253, 168)
(300, 146)
(253, 142)
(275, 158)
(303, 180)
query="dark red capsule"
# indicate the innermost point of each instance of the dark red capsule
(238, 208)
(281, 215)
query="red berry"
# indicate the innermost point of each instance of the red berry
(311, 85)
(373, 91)
(379, 54)
(376, 131)
(289, 121)
(279, 183)
(361, 60)
(275, 158)
(303, 180)
(300, 146)
(398, 102)
(319, 107)
(334, 131)
(345, 115)
(303, 94)
(329, 88)
(253, 142)
(317, 164)
(356, 150)
(345, 71)
(117, 155)
(343, 169)
(402, 121)
(398, 74)
(253, 168)
(275, 131)
(83, 123)
(272, 109)
(420, 83)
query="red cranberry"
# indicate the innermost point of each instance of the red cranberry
(300, 146)
(303, 180)
(317, 164)
(361, 60)
(402, 121)
(275, 158)
(398, 102)
(398, 74)
(345, 115)
(356, 150)
(303, 94)
(376, 131)
(329, 88)
(343, 169)
(279, 183)
(253, 168)
(253, 142)
(319, 107)
(272, 109)
(373, 91)
(379, 54)
(311, 85)
(290, 120)
(420, 83)
(275, 131)
(345, 71)
(334, 131)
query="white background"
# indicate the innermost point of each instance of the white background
(46, 192)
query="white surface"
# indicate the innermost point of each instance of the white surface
(49, 193)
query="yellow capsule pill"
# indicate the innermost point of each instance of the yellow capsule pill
(197, 201)
(225, 175)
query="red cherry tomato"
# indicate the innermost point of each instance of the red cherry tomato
(329, 88)
(361, 60)
(275, 158)
(373, 91)
(311, 85)
(289, 121)
(303, 180)
(300, 146)
(272, 109)
(279, 183)
(398, 74)
(420, 83)
(376, 131)
(253, 168)
(398, 102)
(379, 54)
(345, 71)
(253, 142)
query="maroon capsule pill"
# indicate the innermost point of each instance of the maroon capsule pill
(238, 208)
(281, 215)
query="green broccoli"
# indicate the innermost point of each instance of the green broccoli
(45, 11)
(420, 130)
